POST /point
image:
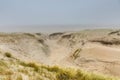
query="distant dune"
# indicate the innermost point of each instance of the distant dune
(95, 50)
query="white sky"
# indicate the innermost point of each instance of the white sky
(19, 13)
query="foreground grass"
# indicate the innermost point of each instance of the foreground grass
(18, 70)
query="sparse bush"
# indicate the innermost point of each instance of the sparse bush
(34, 71)
(38, 34)
(33, 65)
(107, 42)
(41, 41)
(53, 69)
(67, 36)
(7, 54)
(76, 53)
(65, 75)
(29, 34)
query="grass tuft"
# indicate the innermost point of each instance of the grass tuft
(7, 54)
(19, 70)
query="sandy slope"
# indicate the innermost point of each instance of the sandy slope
(100, 58)
(91, 50)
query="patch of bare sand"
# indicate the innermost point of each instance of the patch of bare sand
(99, 58)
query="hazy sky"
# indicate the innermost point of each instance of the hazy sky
(58, 12)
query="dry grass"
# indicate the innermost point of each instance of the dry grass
(18, 70)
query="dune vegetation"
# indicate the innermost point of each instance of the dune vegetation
(14, 69)
(98, 55)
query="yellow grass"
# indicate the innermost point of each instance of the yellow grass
(18, 70)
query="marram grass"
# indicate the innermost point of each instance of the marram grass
(18, 70)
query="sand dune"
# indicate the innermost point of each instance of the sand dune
(91, 50)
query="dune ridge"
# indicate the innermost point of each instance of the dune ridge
(96, 51)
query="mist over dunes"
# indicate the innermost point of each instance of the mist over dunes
(54, 28)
